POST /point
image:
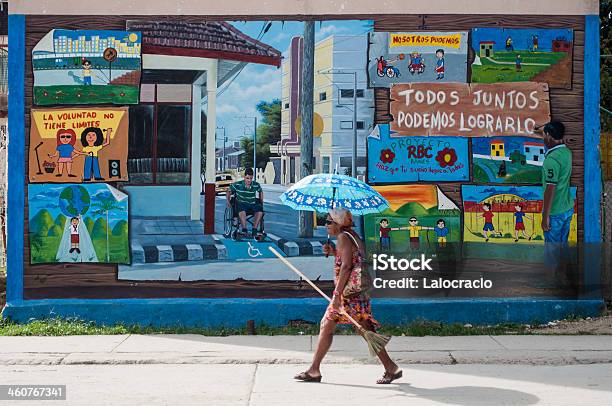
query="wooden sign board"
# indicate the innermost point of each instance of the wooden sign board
(469, 110)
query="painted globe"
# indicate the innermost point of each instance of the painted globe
(74, 201)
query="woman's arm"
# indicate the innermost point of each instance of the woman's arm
(345, 249)
(109, 131)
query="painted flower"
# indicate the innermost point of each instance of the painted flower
(447, 157)
(387, 156)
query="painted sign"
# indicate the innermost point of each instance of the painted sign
(471, 110)
(78, 145)
(523, 54)
(87, 67)
(78, 223)
(506, 214)
(402, 57)
(507, 160)
(420, 218)
(409, 159)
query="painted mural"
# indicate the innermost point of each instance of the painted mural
(73, 145)
(526, 54)
(469, 109)
(403, 57)
(506, 214)
(410, 159)
(421, 218)
(78, 223)
(507, 160)
(87, 67)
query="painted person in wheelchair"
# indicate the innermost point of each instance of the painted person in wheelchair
(247, 202)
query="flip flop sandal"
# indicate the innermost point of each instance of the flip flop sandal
(388, 378)
(306, 377)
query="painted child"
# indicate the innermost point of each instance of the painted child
(93, 141)
(74, 235)
(488, 225)
(86, 72)
(519, 224)
(383, 232)
(440, 64)
(414, 228)
(517, 63)
(441, 232)
(66, 138)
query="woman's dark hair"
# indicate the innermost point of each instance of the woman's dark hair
(99, 136)
(248, 172)
(74, 218)
(488, 205)
(381, 221)
(556, 129)
(86, 61)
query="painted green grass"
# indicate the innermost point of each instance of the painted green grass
(517, 173)
(44, 249)
(78, 94)
(527, 57)
(118, 249)
(68, 327)
(504, 73)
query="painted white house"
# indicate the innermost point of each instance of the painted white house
(333, 102)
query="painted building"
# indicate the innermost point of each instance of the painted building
(486, 48)
(534, 151)
(333, 102)
(497, 148)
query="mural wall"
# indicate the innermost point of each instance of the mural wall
(87, 67)
(78, 145)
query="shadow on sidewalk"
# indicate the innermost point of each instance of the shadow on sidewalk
(458, 395)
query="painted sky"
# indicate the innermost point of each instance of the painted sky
(479, 193)
(46, 196)
(399, 195)
(521, 38)
(121, 35)
(263, 82)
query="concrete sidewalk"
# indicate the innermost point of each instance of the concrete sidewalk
(197, 349)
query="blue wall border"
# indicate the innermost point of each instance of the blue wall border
(278, 312)
(16, 158)
(592, 156)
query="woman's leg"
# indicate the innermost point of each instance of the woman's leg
(326, 336)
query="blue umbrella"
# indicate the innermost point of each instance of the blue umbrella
(322, 192)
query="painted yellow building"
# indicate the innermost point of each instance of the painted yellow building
(497, 148)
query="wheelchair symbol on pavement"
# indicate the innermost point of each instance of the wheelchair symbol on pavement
(253, 252)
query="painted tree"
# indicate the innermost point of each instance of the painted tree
(268, 134)
(104, 204)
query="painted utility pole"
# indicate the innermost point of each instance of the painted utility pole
(305, 226)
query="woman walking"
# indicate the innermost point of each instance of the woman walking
(349, 258)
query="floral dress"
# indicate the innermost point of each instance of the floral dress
(357, 307)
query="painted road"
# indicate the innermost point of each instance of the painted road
(247, 269)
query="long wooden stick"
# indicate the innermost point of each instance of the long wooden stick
(315, 287)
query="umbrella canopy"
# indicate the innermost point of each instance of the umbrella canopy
(323, 192)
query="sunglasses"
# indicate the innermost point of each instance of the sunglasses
(329, 222)
(65, 137)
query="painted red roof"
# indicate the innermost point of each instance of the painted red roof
(498, 142)
(487, 42)
(206, 39)
(534, 144)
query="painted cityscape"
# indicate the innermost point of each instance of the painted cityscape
(87, 67)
